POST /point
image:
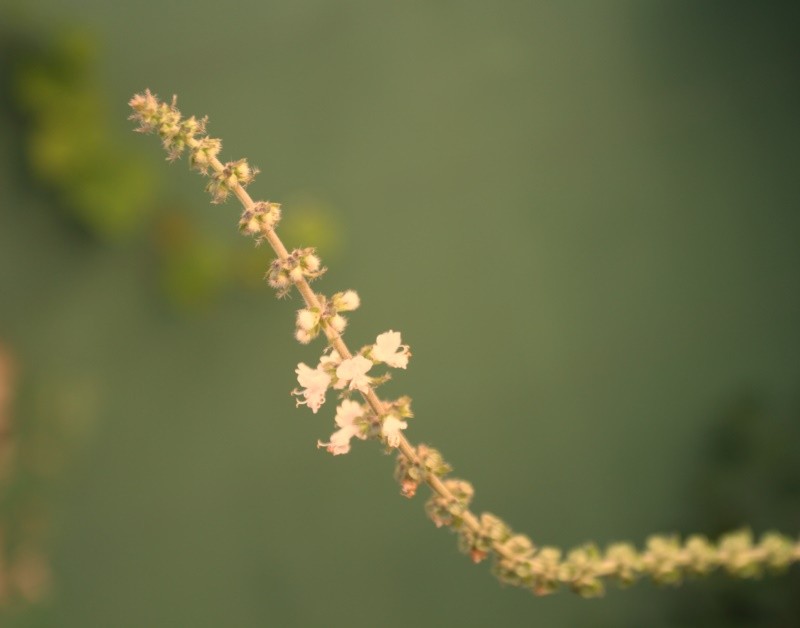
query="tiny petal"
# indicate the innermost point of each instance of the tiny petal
(315, 382)
(347, 414)
(339, 443)
(353, 373)
(391, 430)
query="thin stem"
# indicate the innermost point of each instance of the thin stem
(518, 562)
(310, 298)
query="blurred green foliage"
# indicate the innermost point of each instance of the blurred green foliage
(52, 92)
(310, 220)
(62, 113)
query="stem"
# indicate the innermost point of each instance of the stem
(310, 298)
(518, 562)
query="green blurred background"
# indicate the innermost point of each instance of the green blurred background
(583, 217)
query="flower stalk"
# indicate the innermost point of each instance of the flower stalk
(517, 561)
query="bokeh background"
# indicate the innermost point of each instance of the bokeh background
(583, 217)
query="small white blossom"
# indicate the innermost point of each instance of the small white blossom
(391, 430)
(353, 373)
(388, 349)
(347, 415)
(338, 444)
(315, 383)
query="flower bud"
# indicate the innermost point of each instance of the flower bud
(337, 323)
(303, 337)
(307, 320)
(310, 262)
(205, 150)
(346, 301)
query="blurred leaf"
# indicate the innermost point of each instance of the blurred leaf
(69, 147)
(194, 268)
(309, 221)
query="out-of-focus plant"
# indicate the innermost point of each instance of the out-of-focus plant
(24, 566)
(45, 420)
(517, 560)
(63, 126)
(50, 88)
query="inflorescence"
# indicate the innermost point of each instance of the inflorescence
(517, 560)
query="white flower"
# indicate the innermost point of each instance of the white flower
(391, 430)
(353, 373)
(315, 382)
(347, 415)
(387, 348)
(338, 444)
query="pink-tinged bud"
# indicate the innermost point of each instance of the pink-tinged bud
(408, 488)
(477, 555)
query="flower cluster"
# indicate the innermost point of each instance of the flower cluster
(349, 375)
(234, 174)
(176, 133)
(263, 216)
(355, 420)
(300, 264)
(411, 472)
(450, 512)
(309, 321)
(665, 559)
(517, 560)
